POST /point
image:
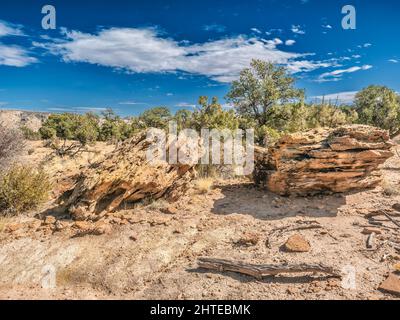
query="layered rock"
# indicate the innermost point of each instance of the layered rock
(320, 160)
(128, 175)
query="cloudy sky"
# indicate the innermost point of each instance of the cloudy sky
(133, 55)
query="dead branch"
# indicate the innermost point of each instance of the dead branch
(260, 271)
(370, 240)
(393, 220)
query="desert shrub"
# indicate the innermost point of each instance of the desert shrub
(30, 134)
(83, 129)
(204, 185)
(379, 106)
(156, 117)
(11, 145)
(23, 188)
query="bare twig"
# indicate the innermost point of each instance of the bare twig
(393, 220)
(260, 271)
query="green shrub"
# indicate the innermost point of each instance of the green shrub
(30, 134)
(23, 188)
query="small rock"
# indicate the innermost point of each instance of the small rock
(12, 227)
(370, 230)
(59, 225)
(297, 243)
(133, 237)
(170, 210)
(102, 228)
(50, 220)
(35, 224)
(249, 239)
(391, 284)
(396, 267)
(396, 207)
(83, 225)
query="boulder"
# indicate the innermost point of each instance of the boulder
(323, 160)
(127, 175)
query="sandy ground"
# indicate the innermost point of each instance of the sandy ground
(154, 255)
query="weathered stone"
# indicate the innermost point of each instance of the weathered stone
(297, 243)
(50, 220)
(13, 227)
(102, 228)
(391, 284)
(83, 225)
(170, 210)
(323, 160)
(127, 176)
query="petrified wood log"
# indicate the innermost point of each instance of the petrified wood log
(127, 175)
(260, 271)
(333, 160)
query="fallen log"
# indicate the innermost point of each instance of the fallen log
(260, 271)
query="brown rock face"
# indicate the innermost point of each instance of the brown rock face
(127, 176)
(320, 160)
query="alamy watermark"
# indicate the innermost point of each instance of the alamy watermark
(216, 147)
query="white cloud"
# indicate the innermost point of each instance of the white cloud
(8, 29)
(327, 26)
(393, 60)
(146, 51)
(214, 27)
(297, 29)
(170, 94)
(337, 74)
(15, 56)
(367, 45)
(255, 30)
(186, 105)
(10, 55)
(340, 97)
(290, 42)
(130, 103)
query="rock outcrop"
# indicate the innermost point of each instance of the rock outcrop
(323, 160)
(127, 176)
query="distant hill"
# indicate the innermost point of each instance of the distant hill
(16, 118)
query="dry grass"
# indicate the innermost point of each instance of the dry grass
(204, 185)
(4, 221)
(390, 188)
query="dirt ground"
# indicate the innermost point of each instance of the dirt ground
(154, 255)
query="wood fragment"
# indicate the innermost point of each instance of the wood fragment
(260, 271)
(393, 220)
(371, 240)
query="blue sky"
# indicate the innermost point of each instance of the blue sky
(133, 55)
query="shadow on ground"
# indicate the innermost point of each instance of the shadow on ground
(247, 199)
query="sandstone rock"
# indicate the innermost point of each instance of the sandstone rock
(391, 284)
(50, 220)
(323, 160)
(35, 224)
(13, 227)
(249, 239)
(102, 228)
(170, 210)
(83, 225)
(297, 243)
(127, 176)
